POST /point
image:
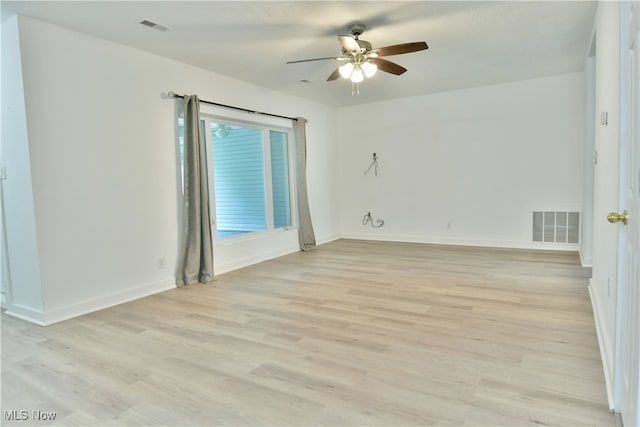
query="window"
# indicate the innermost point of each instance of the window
(280, 187)
(250, 169)
(239, 179)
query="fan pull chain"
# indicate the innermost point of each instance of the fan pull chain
(355, 89)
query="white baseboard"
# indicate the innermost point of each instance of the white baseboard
(509, 244)
(327, 239)
(607, 359)
(78, 309)
(58, 314)
(584, 261)
(25, 313)
(265, 256)
(246, 262)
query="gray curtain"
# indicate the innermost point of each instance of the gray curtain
(196, 261)
(306, 236)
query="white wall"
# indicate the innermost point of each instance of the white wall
(481, 159)
(102, 146)
(23, 289)
(605, 236)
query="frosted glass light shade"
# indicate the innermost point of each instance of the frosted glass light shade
(357, 76)
(346, 70)
(369, 69)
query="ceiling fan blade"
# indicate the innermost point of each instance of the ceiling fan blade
(349, 43)
(334, 75)
(398, 49)
(388, 66)
(337, 58)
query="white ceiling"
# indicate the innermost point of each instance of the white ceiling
(470, 43)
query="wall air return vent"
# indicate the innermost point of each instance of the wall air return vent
(556, 227)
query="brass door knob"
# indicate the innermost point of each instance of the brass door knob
(614, 217)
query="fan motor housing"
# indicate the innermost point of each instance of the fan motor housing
(356, 29)
(365, 46)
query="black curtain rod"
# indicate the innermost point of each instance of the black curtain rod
(175, 95)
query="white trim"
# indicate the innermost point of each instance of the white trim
(251, 260)
(67, 312)
(327, 239)
(585, 262)
(26, 313)
(265, 256)
(604, 354)
(265, 128)
(512, 244)
(268, 179)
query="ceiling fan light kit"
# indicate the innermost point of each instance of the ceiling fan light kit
(362, 61)
(369, 69)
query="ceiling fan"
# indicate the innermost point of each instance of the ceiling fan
(361, 60)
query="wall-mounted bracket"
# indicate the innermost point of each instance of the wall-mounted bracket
(604, 118)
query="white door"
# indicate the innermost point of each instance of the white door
(629, 299)
(606, 192)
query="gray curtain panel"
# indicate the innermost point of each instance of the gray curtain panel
(306, 236)
(196, 261)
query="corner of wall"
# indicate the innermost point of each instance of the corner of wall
(585, 261)
(20, 251)
(26, 313)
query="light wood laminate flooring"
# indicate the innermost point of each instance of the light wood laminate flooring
(353, 333)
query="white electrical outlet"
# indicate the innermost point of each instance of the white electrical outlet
(160, 263)
(3, 173)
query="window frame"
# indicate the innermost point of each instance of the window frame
(265, 128)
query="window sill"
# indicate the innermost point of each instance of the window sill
(255, 235)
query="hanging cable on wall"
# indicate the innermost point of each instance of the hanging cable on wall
(367, 219)
(373, 165)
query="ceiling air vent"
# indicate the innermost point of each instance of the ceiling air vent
(153, 25)
(556, 227)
